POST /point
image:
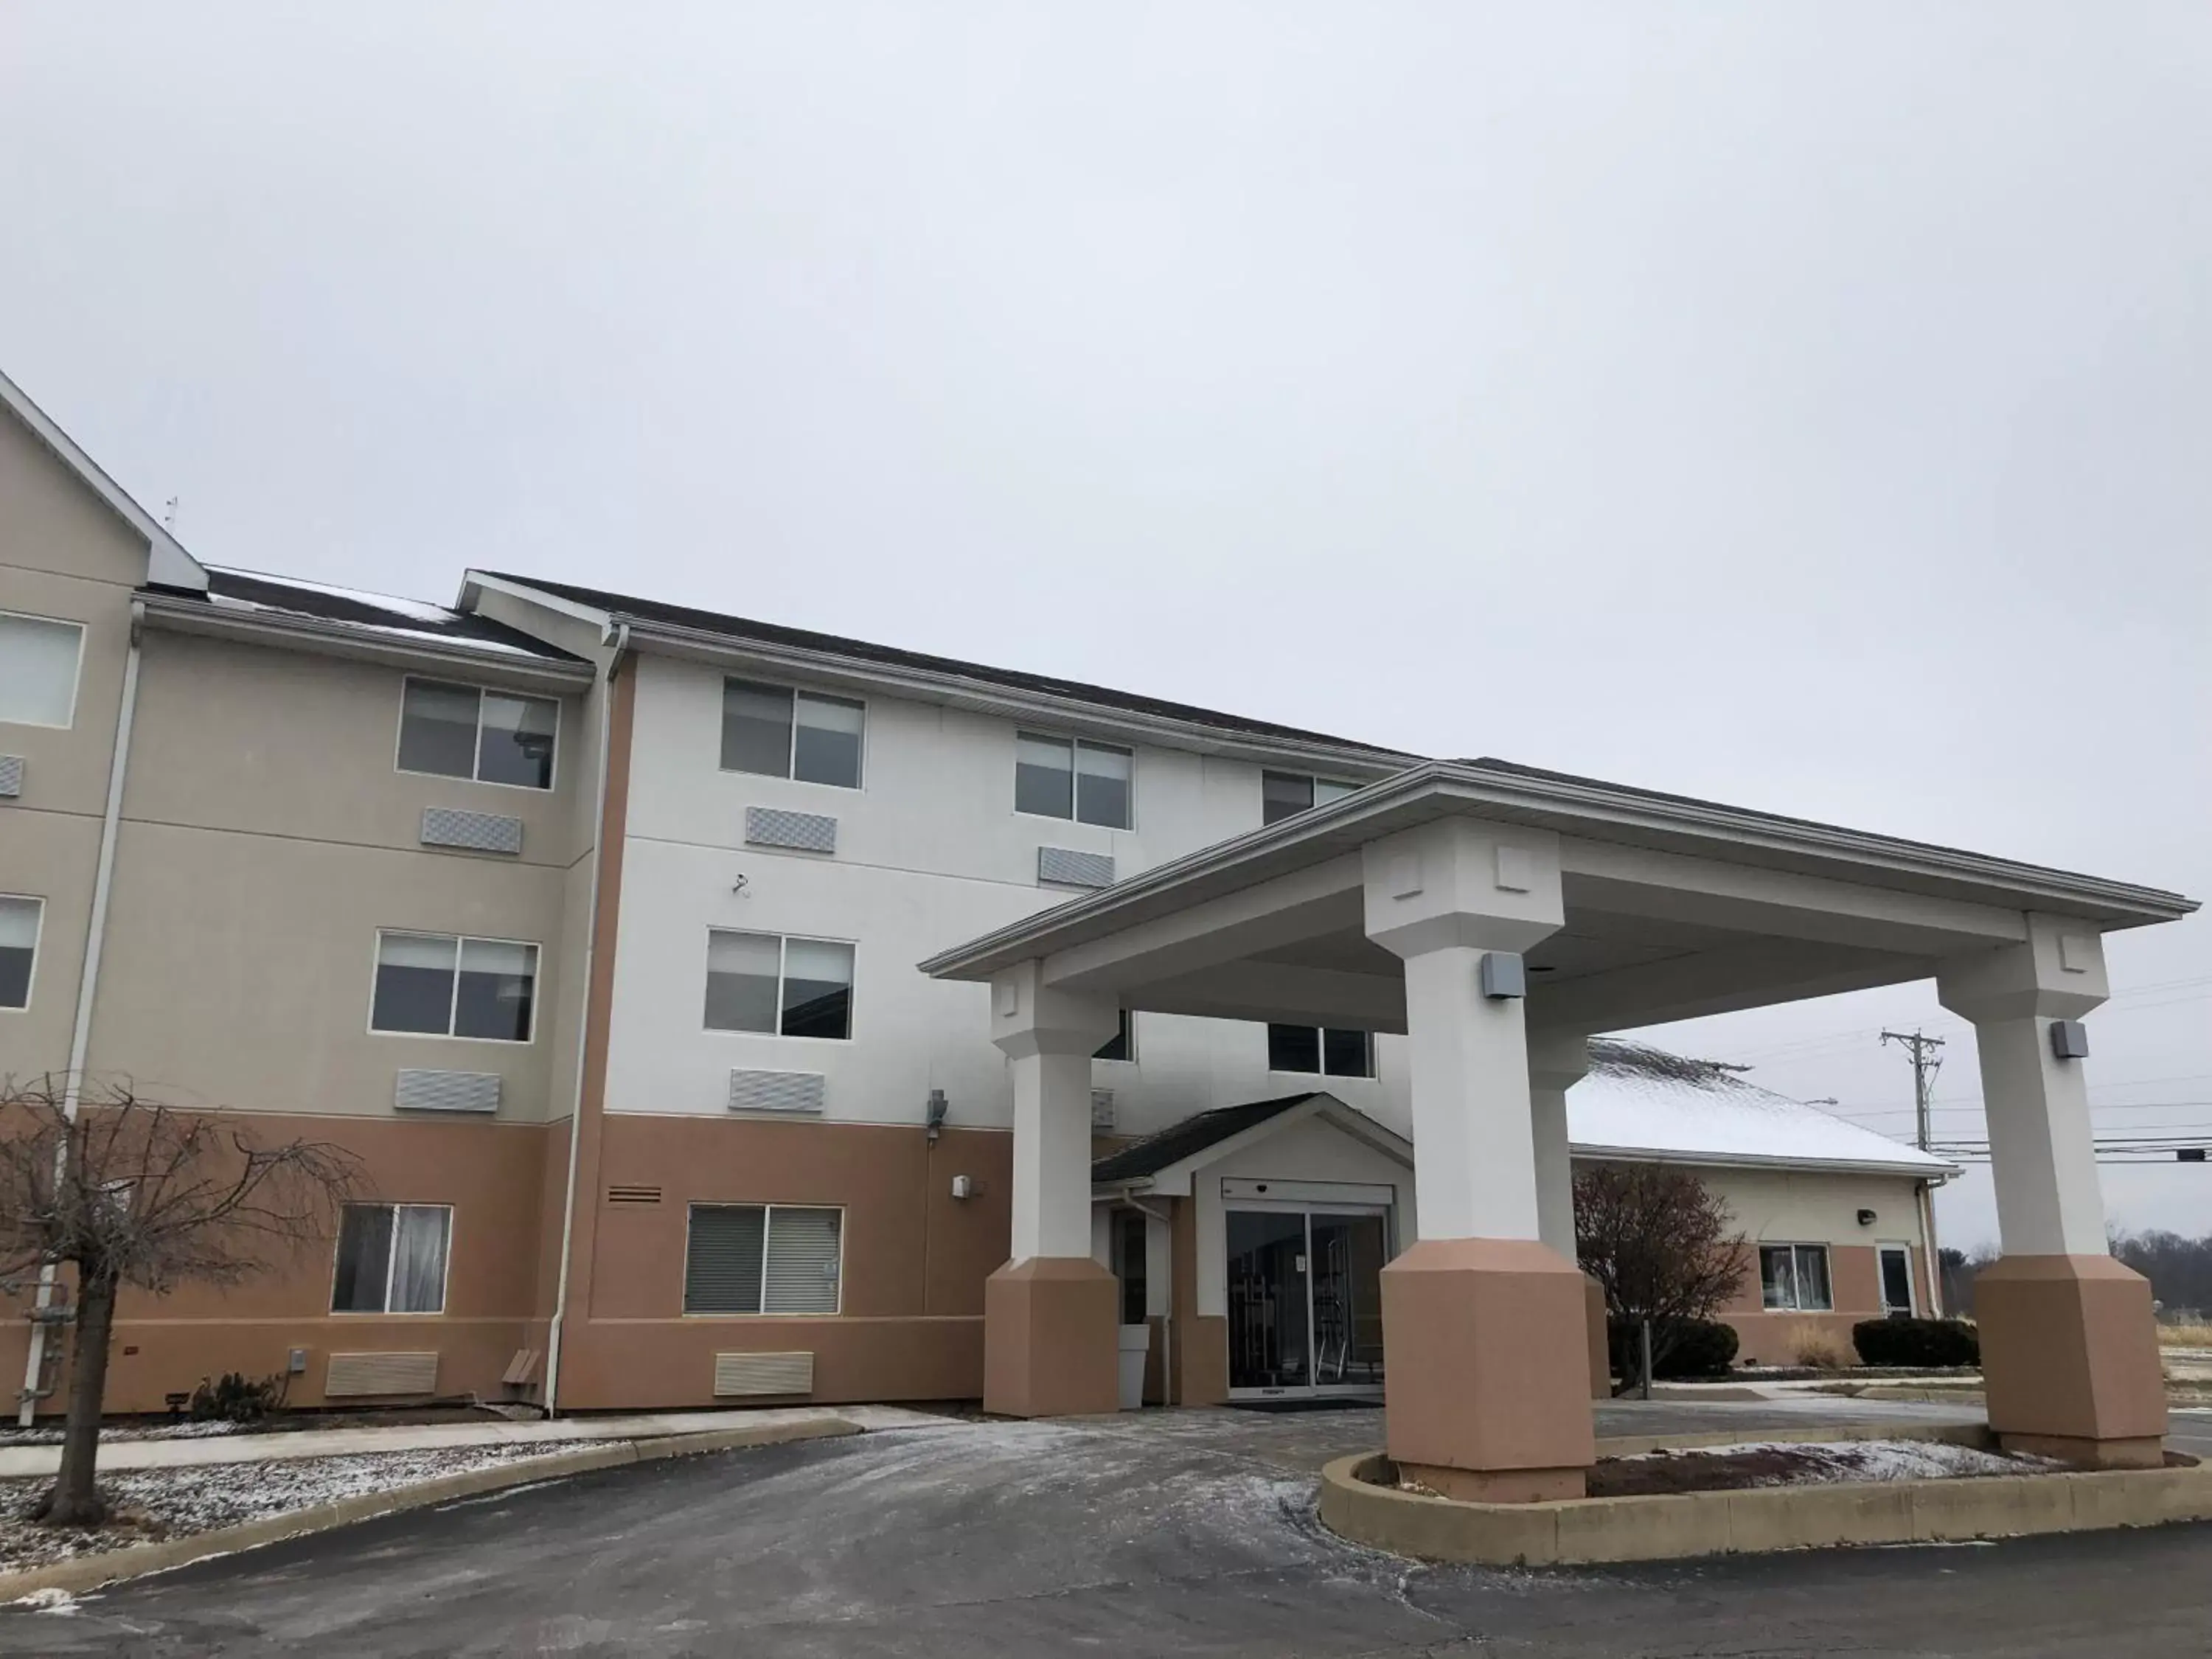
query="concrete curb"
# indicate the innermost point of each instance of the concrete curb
(1676, 1526)
(90, 1572)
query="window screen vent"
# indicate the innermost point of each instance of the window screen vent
(632, 1194)
(1063, 866)
(1101, 1111)
(808, 832)
(12, 776)
(381, 1373)
(447, 1091)
(477, 832)
(763, 1373)
(776, 1092)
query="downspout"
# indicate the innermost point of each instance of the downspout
(620, 640)
(1931, 1264)
(88, 984)
(1167, 1317)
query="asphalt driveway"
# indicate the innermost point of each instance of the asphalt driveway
(1182, 1533)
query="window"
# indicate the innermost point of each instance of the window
(441, 986)
(1123, 1045)
(782, 733)
(1794, 1277)
(1286, 794)
(783, 987)
(1326, 1053)
(762, 1258)
(19, 948)
(1129, 1264)
(464, 732)
(1897, 1280)
(38, 669)
(392, 1259)
(1061, 778)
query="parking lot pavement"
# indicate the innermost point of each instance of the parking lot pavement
(1173, 1533)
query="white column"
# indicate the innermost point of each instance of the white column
(2042, 1148)
(1049, 1037)
(1442, 898)
(1556, 1064)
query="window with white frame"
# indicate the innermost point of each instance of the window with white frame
(1071, 778)
(1123, 1045)
(763, 1259)
(38, 658)
(1286, 794)
(467, 731)
(778, 984)
(1323, 1052)
(1794, 1277)
(19, 947)
(779, 732)
(392, 1259)
(439, 985)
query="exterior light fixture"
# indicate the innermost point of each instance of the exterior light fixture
(1503, 976)
(2070, 1039)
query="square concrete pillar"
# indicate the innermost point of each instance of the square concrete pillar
(2070, 1345)
(1485, 1325)
(1051, 1315)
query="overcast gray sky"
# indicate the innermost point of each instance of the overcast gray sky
(1805, 406)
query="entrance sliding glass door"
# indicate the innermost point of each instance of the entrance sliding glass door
(1305, 1307)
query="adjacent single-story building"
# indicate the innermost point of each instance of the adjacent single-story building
(1249, 1241)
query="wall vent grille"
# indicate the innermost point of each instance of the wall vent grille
(632, 1194)
(806, 832)
(776, 1092)
(763, 1373)
(475, 832)
(1063, 866)
(12, 776)
(1101, 1111)
(447, 1091)
(381, 1373)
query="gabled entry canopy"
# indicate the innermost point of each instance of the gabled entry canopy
(1674, 908)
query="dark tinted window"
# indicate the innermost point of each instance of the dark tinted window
(1293, 1048)
(1283, 795)
(438, 729)
(756, 728)
(364, 1259)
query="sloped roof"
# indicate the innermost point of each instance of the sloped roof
(1155, 1152)
(747, 630)
(1645, 1103)
(256, 590)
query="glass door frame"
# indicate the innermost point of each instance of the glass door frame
(1307, 1209)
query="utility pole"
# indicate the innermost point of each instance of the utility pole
(1926, 1062)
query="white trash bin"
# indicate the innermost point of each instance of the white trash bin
(1136, 1344)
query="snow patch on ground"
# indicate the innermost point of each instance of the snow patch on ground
(171, 1503)
(52, 1437)
(1827, 1461)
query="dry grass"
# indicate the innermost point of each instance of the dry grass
(1817, 1348)
(2185, 1336)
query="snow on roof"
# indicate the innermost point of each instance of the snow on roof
(1647, 1103)
(416, 621)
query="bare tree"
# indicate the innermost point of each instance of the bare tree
(1661, 1245)
(129, 1191)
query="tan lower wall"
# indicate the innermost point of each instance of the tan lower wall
(915, 1258)
(1855, 1285)
(490, 1173)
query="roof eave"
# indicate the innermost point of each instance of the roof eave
(1938, 1173)
(1574, 808)
(199, 617)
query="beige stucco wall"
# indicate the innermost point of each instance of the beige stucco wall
(63, 555)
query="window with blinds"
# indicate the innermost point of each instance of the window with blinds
(763, 1258)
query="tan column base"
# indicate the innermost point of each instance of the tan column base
(2070, 1361)
(1049, 1338)
(1497, 1486)
(1600, 1350)
(1486, 1347)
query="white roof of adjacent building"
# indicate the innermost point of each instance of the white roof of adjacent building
(1645, 1104)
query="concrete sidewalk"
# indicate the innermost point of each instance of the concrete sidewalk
(425, 1436)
